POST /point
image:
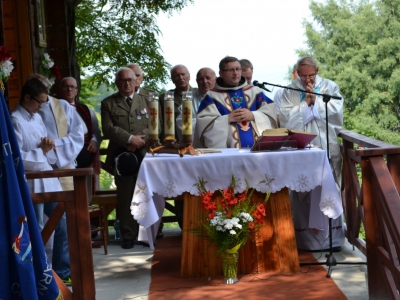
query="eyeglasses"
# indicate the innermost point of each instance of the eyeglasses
(72, 87)
(232, 70)
(128, 80)
(40, 102)
(304, 77)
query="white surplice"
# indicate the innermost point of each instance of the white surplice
(68, 147)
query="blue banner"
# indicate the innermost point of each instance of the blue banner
(25, 272)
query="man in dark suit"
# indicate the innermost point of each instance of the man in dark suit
(124, 119)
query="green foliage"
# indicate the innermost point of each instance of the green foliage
(357, 44)
(112, 33)
(92, 96)
(106, 180)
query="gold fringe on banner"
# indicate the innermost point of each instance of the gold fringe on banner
(2, 87)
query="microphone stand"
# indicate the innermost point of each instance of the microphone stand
(330, 258)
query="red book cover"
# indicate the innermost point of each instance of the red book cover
(274, 139)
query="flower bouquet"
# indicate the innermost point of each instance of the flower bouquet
(231, 220)
(49, 69)
(6, 66)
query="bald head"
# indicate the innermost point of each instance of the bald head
(205, 78)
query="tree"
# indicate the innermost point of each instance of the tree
(112, 33)
(357, 44)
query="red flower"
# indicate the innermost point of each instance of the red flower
(258, 216)
(228, 194)
(251, 225)
(261, 209)
(4, 55)
(242, 197)
(211, 215)
(228, 214)
(56, 71)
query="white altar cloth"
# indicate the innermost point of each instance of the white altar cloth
(168, 175)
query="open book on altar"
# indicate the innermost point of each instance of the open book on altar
(275, 139)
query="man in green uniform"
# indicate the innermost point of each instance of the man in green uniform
(124, 118)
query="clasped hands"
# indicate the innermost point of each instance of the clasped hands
(46, 144)
(136, 142)
(310, 98)
(241, 115)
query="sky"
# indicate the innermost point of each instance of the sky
(265, 32)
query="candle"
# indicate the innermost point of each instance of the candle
(169, 116)
(187, 127)
(153, 120)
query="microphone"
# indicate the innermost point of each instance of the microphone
(260, 85)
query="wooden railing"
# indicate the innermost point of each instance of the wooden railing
(375, 204)
(75, 205)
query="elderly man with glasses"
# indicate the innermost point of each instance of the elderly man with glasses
(233, 113)
(304, 111)
(124, 119)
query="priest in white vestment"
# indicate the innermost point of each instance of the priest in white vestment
(304, 111)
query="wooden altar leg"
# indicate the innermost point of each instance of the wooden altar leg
(196, 259)
(191, 244)
(285, 236)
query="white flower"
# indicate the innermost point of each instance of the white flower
(48, 63)
(233, 232)
(52, 80)
(245, 217)
(228, 224)
(6, 67)
(238, 226)
(235, 221)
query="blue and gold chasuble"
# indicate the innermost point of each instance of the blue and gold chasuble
(238, 99)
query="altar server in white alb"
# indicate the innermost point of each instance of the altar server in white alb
(304, 111)
(234, 113)
(37, 150)
(65, 128)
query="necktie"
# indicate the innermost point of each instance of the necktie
(129, 101)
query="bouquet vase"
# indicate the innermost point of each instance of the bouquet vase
(229, 260)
